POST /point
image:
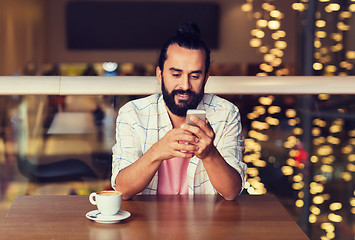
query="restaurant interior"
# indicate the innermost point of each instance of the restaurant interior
(299, 147)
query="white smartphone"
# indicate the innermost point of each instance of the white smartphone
(201, 114)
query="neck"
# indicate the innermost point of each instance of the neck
(176, 121)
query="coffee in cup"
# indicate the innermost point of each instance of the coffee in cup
(107, 202)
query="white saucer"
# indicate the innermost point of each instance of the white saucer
(96, 216)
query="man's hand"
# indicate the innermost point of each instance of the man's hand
(205, 137)
(173, 144)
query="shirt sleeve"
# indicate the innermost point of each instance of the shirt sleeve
(127, 148)
(231, 143)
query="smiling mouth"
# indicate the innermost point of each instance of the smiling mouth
(183, 97)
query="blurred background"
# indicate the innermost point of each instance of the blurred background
(299, 147)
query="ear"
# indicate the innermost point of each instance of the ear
(206, 77)
(158, 74)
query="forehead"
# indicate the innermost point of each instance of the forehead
(184, 58)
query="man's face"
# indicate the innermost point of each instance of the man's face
(183, 79)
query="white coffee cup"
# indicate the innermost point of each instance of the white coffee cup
(107, 202)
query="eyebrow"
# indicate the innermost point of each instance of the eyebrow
(179, 70)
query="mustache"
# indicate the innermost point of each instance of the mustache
(180, 91)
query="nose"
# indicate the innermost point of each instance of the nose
(185, 83)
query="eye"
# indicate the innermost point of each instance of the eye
(195, 76)
(176, 74)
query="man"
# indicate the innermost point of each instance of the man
(157, 153)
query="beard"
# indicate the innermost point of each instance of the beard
(181, 108)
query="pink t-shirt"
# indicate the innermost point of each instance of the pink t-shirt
(172, 176)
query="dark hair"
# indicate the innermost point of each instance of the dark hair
(186, 36)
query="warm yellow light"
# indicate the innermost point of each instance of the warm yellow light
(297, 131)
(298, 178)
(299, 203)
(318, 199)
(287, 170)
(282, 72)
(317, 44)
(266, 100)
(315, 210)
(298, 6)
(319, 122)
(260, 109)
(257, 15)
(247, 7)
(318, 141)
(343, 27)
(330, 235)
(316, 131)
(333, 140)
(346, 176)
(255, 42)
(323, 50)
(253, 172)
(267, 6)
(350, 54)
(274, 109)
(351, 167)
(347, 149)
(314, 159)
(335, 206)
(276, 62)
(260, 125)
(300, 194)
(312, 218)
(317, 66)
(276, 14)
(321, 34)
(298, 186)
(329, 227)
(325, 150)
(330, 69)
(274, 24)
(326, 168)
(351, 158)
(259, 163)
(337, 37)
(316, 188)
(352, 7)
(258, 135)
(262, 23)
(335, 129)
(280, 44)
(337, 47)
(352, 201)
(260, 34)
(328, 160)
(345, 14)
(321, 23)
(332, 7)
(272, 121)
(335, 218)
(263, 49)
(276, 52)
(320, 178)
(290, 113)
(293, 122)
(269, 57)
(281, 33)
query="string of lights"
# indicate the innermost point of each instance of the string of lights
(331, 158)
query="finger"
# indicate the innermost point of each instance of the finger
(184, 154)
(198, 132)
